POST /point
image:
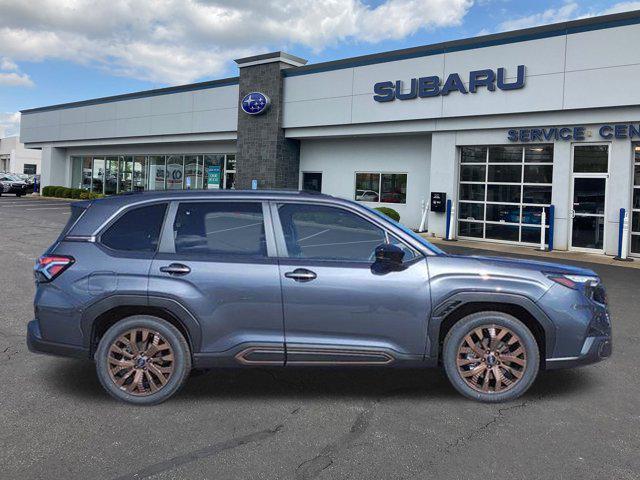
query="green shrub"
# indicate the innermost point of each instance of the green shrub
(389, 212)
(85, 194)
(47, 191)
(76, 192)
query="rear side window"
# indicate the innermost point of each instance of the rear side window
(76, 213)
(328, 233)
(138, 230)
(220, 228)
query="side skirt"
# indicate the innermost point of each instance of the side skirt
(308, 356)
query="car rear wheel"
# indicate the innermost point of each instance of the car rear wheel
(491, 357)
(143, 360)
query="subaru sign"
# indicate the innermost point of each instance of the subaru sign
(425, 87)
(255, 103)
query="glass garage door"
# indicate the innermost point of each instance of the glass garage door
(635, 213)
(502, 192)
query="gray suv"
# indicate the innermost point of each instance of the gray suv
(153, 285)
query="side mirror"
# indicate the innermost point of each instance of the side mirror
(389, 257)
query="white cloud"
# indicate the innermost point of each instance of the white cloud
(11, 76)
(621, 7)
(551, 15)
(13, 79)
(175, 41)
(6, 64)
(9, 123)
(571, 10)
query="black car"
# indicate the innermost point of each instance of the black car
(12, 184)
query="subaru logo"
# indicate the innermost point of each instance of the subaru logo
(255, 103)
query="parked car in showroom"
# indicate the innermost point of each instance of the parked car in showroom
(151, 285)
(12, 184)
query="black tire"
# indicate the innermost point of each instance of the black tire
(455, 338)
(179, 348)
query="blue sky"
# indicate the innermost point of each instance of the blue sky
(56, 51)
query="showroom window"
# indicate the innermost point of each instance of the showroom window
(125, 173)
(503, 190)
(379, 187)
(29, 169)
(635, 212)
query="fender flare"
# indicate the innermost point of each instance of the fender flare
(171, 306)
(458, 300)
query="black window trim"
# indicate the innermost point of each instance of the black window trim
(167, 240)
(281, 244)
(97, 238)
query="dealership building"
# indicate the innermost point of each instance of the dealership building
(504, 126)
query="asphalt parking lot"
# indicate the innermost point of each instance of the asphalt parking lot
(56, 421)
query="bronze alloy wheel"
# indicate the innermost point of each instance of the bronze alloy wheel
(491, 359)
(140, 361)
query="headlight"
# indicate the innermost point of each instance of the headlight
(590, 285)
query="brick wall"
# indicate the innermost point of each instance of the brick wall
(263, 151)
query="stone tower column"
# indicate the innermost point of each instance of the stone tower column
(264, 154)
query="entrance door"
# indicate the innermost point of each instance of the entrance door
(312, 181)
(589, 192)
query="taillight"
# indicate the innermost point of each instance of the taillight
(49, 267)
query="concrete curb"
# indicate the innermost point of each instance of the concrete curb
(532, 252)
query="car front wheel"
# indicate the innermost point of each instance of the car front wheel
(491, 357)
(143, 360)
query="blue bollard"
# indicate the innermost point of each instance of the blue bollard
(448, 219)
(552, 215)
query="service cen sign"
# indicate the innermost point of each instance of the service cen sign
(619, 131)
(425, 87)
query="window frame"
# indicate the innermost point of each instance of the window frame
(167, 239)
(634, 188)
(380, 173)
(281, 245)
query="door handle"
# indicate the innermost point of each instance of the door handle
(573, 214)
(301, 275)
(175, 269)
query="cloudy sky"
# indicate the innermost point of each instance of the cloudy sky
(55, 51)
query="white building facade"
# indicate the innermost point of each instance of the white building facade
(504, 126)
(15, 158)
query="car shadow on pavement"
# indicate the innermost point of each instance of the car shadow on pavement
(78, 379)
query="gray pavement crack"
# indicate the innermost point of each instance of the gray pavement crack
(463, 439)
(314, 466)
(195, 455)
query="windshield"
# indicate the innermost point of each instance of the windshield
(406, 230)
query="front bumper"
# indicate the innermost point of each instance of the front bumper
(594, 349)
(36, 344)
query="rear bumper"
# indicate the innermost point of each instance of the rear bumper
(594, 349)
(36, 344)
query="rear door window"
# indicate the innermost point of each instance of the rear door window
(138, 230)
(220, 228)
